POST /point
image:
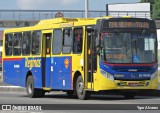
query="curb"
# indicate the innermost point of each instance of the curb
(22, 89)
(8, 88)
(17, 89)
(12, 89)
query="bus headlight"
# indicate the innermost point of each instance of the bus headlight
(153, 76)
(107, 75)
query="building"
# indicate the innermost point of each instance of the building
(139, 10)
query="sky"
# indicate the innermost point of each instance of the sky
(58, 4)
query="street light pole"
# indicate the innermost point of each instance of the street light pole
(86, 8)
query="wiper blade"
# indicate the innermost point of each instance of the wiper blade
(142, 34)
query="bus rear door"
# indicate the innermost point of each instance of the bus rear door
(46, 60)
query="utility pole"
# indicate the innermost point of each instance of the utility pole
(86, 8)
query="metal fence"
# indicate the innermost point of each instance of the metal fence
(47, 14)
(138, 14)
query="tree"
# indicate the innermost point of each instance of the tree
(146, 1)
(156, 10)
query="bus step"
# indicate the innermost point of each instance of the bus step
(89, 89)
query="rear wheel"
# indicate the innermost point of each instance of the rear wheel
(31, 90)
(81, 92)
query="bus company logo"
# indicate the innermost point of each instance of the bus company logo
(133, 76)
(32, 63)
(66, 63)
(119, 75)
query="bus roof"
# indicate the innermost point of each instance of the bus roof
(59, 23)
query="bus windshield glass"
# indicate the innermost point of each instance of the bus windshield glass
(129, 47)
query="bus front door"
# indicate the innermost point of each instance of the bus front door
(46, 60)
(90, 60)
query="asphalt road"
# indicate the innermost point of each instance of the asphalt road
(63, 99)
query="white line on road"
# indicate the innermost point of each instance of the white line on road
(11, 87)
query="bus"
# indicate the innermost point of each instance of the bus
(81, 56)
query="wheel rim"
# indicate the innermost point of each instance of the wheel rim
(30, 88)
(80, 87)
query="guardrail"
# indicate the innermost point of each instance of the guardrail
(138, 14)
(20, 18)
(47, 14)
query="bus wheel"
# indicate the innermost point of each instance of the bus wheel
(81, 93)
(33, 92)
(129, 95)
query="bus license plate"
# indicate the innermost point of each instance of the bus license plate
(133, 84)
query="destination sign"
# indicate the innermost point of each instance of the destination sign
(122, 24)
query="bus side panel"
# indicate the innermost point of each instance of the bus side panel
(61, 73)
(47, 72)
(22, 73)
(34, 65)
(15, 71)
(37, 77)
(11, 71)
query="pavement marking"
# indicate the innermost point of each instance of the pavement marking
(11, 87)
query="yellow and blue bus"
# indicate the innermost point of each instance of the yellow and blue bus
(81, 56)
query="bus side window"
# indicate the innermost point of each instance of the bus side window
(57, 41)
(8, 44)
(17, 46)
(26, 43)
(67, 41)
(36, 42)
(77, 40)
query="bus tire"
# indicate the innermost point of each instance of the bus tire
(129, 95)
(81, 93)
(31, 91)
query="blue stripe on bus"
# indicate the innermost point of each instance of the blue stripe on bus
(58, 74)
(142, 73)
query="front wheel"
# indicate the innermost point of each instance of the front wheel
(81, 92)
(31, 90)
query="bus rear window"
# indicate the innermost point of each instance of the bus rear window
(57, 41)
(26, 43)
(77, 40)
(8, 44)
(36, 37)
(17, 46)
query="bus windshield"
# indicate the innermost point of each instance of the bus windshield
(129, 47)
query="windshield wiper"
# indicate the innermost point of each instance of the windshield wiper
(135, 45)
(135, 41)
(143, 33)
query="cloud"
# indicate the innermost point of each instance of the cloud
(44, 4)
(69, 2)
(30, 4)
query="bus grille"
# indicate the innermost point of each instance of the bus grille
(132, 83)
